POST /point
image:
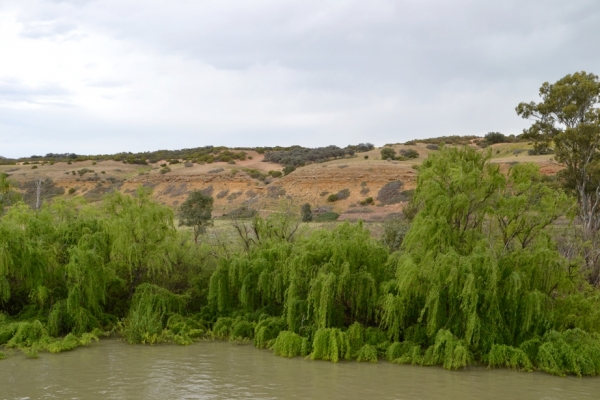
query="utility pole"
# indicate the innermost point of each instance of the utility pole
(38, 192)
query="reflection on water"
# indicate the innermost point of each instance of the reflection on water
(220, 370)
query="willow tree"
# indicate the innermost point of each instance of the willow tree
(28, 252)
(7, 194)
(140, 230)
(326, 279)
(478, 266)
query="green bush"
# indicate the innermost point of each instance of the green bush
(267, 330)
(326, 216)
(409, 153)
(388, 153)
(288, 169)
(495, 137)
(288, 344)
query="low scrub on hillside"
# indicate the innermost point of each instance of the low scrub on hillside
(300, 156)
(392, 193)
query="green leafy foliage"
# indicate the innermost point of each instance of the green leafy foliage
(196, 211)
(306, 213)
(150, 310)
(476, 278)
(289, 344)
(388, 153)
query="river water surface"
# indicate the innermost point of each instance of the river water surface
(112, 369)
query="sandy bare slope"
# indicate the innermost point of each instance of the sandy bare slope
(232, 186)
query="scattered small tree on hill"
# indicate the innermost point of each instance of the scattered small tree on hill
(388, 153)
(306, 213)
(409, 153)
(495, 137)
(196, 212)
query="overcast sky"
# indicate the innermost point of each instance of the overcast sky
(104, 76)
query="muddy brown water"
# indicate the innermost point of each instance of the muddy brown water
(112, 369)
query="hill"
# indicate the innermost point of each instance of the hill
(251, 178)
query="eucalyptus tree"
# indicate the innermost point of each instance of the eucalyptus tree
(569, 116)
(196, 212)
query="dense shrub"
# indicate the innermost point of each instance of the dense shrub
(288, 169)
(388, 153)
(391, 193)
(409, 153)
(495, 137)
(341, 195)
(361, 147)
(242, 212)
(326, 216)
(451, 140)
(299, 156)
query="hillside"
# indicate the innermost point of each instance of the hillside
(247, 181)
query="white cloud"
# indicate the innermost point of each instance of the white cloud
(114, 75)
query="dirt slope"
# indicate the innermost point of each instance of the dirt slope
(232, 186)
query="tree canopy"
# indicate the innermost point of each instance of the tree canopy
(568, 116)
(196, 212)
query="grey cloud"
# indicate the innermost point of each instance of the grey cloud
(14, 91)
(11, 88)
(47, 29)
(446, 67)
(108, 83)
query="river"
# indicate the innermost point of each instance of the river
(112, 369)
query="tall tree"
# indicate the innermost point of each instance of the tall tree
(568, 115)
(196, 212)
(140, 230)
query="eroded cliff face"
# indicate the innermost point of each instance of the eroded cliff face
(243, 183)
(312, 184)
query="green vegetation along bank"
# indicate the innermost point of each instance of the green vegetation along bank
(480, 277)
